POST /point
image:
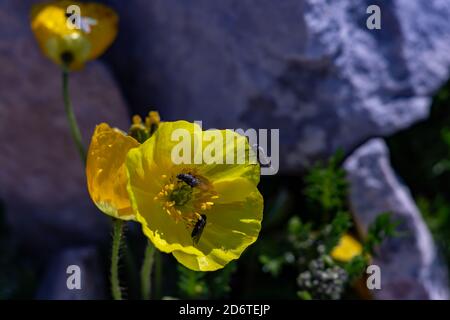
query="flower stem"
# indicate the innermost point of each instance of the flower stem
(117, 224)
(117, 236)
(146, 271)
(158, 275)
(74, 130)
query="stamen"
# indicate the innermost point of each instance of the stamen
(183, 202)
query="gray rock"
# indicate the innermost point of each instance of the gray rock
(410, 265)
(92, 279)
(310, 68)
(42, 180)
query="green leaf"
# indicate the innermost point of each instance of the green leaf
(272, 265)
(380, 229)
(326, 184)
(355, 267)
(219, 284)
(333, 232)
(304, 295)
(192, 284)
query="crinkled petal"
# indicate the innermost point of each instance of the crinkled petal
(105, 171)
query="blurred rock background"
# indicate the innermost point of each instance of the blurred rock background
(310, 68)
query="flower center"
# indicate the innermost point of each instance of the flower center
(186, 197)
(181, 195)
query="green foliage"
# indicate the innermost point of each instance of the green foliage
(446, 137)
(192, 284)
(356, 267)
(332, 233)
(437, 214)
(299, 234)
(381, 228)
(201, 285)
(326, 185)
(443, 96)
(427, 144)
(308, 244)
(272, 265)
(219, 281)
(428, 176)
(304, 295)
(443, 165)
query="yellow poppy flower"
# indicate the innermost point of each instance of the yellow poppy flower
(105, 164)
(206, 214)
(347, 249)
(73, 47)
(105, 171)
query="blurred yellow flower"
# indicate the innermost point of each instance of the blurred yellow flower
(68, 46)
(105, 166)
(204, 214)
(347, 249)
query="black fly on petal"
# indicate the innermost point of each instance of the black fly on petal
(198, 229)
(189, 179)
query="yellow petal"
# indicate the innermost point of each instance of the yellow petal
(143, 185)
(105, 171)
(347, 249)
(231, 146)
(232, 225)
(98, 30)
(172, 135)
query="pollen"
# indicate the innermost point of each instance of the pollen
(183, 202)
(206, 205)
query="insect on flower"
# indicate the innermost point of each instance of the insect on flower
(189, 179)
(198, 229)
(205, 214)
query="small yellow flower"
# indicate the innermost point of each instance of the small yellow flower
(204, 214)
(105, 166)
(347, 249)
(105, 171)
(73, 47)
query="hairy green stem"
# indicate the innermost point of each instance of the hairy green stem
(117, 224)
(146, 271)
(74, 130)
(117, 237)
